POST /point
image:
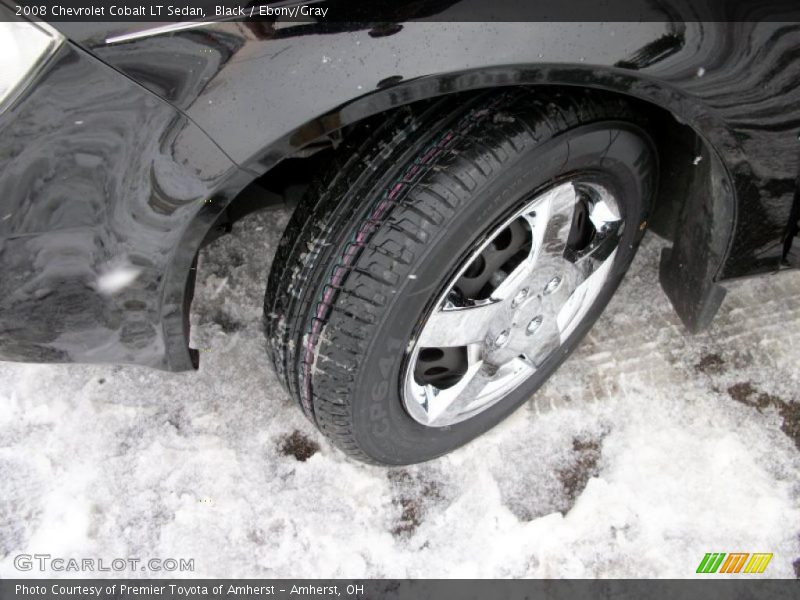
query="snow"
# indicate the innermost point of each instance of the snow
(640, 455)
(116, 279)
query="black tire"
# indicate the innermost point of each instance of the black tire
(377, 238)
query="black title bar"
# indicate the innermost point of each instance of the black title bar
(392, 11)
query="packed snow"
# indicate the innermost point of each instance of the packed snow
(646, 450)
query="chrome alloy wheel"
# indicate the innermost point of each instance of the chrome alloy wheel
(515, 301)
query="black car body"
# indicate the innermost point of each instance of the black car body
(135, 144)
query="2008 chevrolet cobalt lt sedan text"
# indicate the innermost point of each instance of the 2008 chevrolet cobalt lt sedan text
(469, 195)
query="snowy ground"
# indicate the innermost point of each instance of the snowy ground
(661, 447)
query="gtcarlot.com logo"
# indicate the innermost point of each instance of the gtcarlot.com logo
(734, 562)
(46, 562)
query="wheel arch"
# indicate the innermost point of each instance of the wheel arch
(695, 205)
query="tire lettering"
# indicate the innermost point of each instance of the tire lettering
(380, 391)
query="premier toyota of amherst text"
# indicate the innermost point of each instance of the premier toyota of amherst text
(467, 195)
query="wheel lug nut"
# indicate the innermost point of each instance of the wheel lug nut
(552, 285)
(519, 298)
(502, 339)
(535, 323)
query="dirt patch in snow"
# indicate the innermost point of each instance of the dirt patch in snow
(226, 322)
(298, 445)
(791, 421)
(711, 364)
(413, 495)
(574, 478)
(748, 394)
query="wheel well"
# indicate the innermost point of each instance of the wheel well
(694, 206)
(678, 146)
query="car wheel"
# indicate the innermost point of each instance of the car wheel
(441, 271)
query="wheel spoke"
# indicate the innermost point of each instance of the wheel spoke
(477, 382)
(590, 266)
(577, 305)
(557, 209)
(604, 244)
(561, 207)
(437, 402)
(550, 219)
(460, 326)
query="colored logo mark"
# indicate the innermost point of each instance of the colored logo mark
(734, 562)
